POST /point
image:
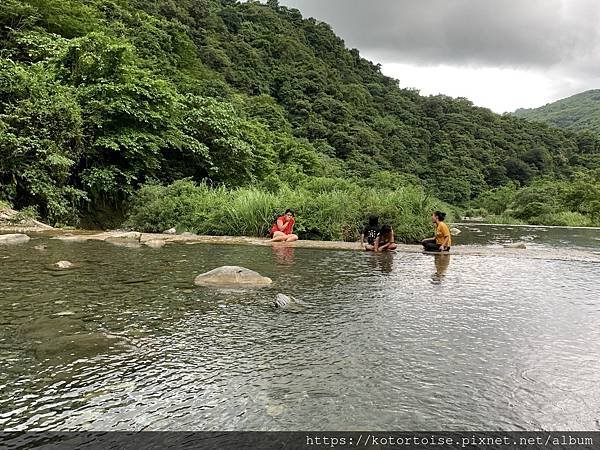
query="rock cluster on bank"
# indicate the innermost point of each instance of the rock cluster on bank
(11, 220)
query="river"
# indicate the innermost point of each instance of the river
(404, 341)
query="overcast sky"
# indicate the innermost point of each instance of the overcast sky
(502, 54)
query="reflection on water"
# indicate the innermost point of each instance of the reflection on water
(441, 261)
(382, 262)
(124, 341)
(284, 254)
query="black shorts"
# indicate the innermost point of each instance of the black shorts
(429, 245)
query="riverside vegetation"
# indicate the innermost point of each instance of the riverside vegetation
(212, 115)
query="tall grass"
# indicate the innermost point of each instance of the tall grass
(334, 211)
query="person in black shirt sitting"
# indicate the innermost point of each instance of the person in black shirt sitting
(369, 234)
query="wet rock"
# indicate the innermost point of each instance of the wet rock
(70, 237)
(13, 239)
(40, 247)
(517, 245)
(285, 301)
(455, 231)
(188, 234)
(63, 264)
(155, 243)
(170, 231)
(232, 276)
(130, 235)
(10, 218)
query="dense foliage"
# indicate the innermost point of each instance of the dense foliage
(101, 97)
(573, 202)
(580, 112)
(325, 209)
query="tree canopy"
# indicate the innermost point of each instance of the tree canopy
(98, 97)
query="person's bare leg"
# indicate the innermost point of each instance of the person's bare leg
(392, 247)
(291, 238)
(279, 236)
(369, 248)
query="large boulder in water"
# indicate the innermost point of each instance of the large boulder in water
(12, 239)
(233, 276)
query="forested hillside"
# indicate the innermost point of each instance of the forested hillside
(580, 112)
(101, 97)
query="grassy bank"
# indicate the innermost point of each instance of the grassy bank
(325, 210)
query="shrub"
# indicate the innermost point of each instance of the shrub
(326, 210)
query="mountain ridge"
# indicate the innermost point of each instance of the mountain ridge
(579, 112)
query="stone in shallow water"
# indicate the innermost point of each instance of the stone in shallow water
(233, 276)
(63, 264)
(155, 243)
(284, 301)
(517, 245)
(13, 239)
(123, 242)
(170, 231)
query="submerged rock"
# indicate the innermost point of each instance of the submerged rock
(123, 242)
(232, 276)
(75, 346)
(13, 239)
(517, 245)
(47, 328)
(64, 314)
(155, 243)
(70, 237)
(170, 231)
(129, 235)
(40, 247)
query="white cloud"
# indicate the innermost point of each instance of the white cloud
(500, 89)
(502, 54)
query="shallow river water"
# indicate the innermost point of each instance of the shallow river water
(124, 341)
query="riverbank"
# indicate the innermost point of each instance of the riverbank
(136, 239)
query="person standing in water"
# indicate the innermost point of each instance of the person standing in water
(369, 234)
(385, 240)
(442, 241)
(283, 228)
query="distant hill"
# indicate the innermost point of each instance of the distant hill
(577, 113)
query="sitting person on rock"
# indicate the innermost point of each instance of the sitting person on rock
(369, 234)
(385, 240)
(283, 228)
(442, 241)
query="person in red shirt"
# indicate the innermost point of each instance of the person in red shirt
(283, 228)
